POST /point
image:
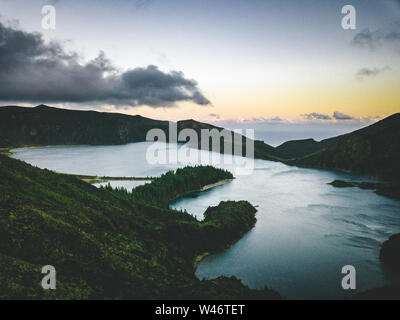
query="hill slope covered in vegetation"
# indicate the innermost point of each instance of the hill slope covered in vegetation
(300, 148)
(373, 151)
(105, 244)
(44, 125)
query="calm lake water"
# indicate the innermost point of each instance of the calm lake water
(306, 231)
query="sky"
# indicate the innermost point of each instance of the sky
(268, 64)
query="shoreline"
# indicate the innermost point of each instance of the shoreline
(385, 189)
(102, 179)
(207, 187)
(199, 258)
(6, 152)
(216, 184)
(91, 179)
(215, 250)
(11, 149)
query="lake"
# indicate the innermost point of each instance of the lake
(306, 230)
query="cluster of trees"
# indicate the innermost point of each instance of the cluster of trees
(223, 225)
(173, 185)
(231, 219)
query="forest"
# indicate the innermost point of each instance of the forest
(174, 185)
(112, 244)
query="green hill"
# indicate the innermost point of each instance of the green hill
(261, 149)
(111, 244)
(44, 125)
(373, 151)
(300, 148)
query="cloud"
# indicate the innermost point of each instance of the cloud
(263, 120)
(324, 117)
(34, 71)
(142, 3)
(316, 116)
(389, 36)
(214, 115)
(364, 38)
(367, 72)
(341, 116)
(277, 119)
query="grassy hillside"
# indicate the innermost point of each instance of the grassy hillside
(105, 244)
(261, 149)
(300, 148)
(44, 125)
(373, 151)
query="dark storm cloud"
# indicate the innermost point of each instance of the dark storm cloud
(34, 71)
(381, 37)
(368, 72)
(341, 116)
(316, 116)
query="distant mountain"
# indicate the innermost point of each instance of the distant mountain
(44, 125)
(373, 151)
(300, 148)
(261, 149)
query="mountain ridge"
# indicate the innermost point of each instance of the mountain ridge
(303, 147)
(44, 125)
(372, 151)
